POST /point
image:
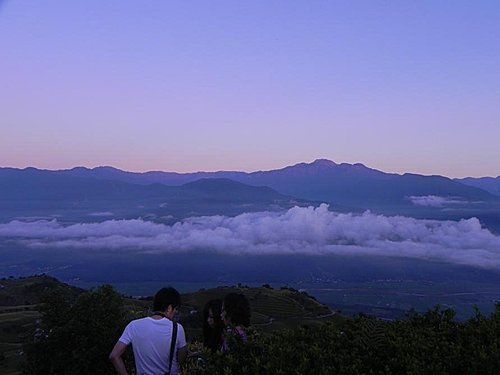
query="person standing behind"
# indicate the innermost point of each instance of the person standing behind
(236, 316)
(212, 325)
(152, 339)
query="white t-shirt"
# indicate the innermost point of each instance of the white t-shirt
(150, 339)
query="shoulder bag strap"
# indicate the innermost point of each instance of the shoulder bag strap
(172, 345)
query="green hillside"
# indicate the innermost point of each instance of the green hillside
(20, 310)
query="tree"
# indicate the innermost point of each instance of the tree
(76, 336)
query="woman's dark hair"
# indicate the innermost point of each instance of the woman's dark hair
(166, 297)
(212, 336)
(237, 309)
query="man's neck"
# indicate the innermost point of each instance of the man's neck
(159, 315)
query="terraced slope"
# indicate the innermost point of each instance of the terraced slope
(270, 308)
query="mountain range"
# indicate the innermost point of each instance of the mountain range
(346, 187)
(320, 180)
(322, 170)
(36, 193)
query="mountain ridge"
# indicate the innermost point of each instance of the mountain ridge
(318, 163)
(354, 185)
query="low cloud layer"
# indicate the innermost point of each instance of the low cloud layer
(102, 213)
(433, 200)
(296, 231)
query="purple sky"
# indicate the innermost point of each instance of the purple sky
(401, 86)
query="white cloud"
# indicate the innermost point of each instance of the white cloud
(433, 200)
(296, 231)
(102, 213)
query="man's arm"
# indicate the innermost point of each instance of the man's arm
(116, 358)
(181, 355)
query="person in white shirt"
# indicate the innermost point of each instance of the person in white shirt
(152, 339)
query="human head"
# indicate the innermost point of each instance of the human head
(167, 300)
(212, 325)
(236, 310)
(211, 313)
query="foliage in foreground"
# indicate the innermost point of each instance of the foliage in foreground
(76, 336)
(430, 343)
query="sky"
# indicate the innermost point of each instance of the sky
(400, 86)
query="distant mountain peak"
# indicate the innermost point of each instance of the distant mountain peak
(323, 163)
(324, 167)
(318, 164)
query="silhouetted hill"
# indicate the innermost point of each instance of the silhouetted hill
(28, 290)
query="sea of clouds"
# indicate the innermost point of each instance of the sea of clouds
(300, 230)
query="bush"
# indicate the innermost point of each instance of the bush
(429, 343)
(76, 336)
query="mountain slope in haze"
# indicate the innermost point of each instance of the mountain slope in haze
(322, 180)
(359, 185)
(40, 192)
(489, 184)
(226, 190)
(146, 178)
(35, 184)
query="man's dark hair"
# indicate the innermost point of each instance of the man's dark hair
(237, 308)
(165, 297)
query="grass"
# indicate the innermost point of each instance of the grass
(18, 317)
(14, 326)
